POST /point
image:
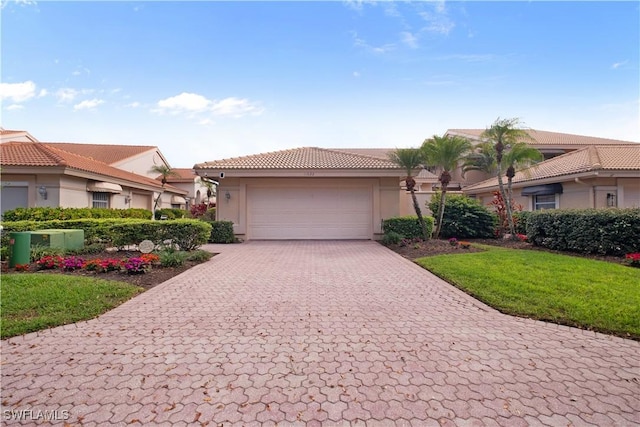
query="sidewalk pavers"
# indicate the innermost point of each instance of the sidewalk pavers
(316, 333)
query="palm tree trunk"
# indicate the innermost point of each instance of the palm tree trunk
(443, 198)
(416, 206)
(512, 224)
(503, 193)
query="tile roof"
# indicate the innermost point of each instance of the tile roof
(50, 155)
(184, 175)
(9, 131)
(105, 153)
(587, 159)
(545, 138)
(302, 158)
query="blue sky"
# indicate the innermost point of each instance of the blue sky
(211, 80)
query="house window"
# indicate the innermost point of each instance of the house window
(547, 201)
(100, 200)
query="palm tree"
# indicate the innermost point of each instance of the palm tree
(521, 155)
(445, 152)
(504, 134)
(164, 171)
(482, 160)
(411, 159)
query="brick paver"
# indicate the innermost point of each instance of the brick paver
(317, 333)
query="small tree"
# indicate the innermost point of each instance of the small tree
(164, 171)
(411, 159)
(504, 134)
(445, 152)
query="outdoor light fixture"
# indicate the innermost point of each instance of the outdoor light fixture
(611, 200)
(227, 196)
(42, 191)
(127, 200)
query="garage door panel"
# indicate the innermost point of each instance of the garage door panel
(310, 213)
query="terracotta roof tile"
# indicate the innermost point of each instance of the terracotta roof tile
(302, 158)
(545, 138)
(184, 175)
(44, 154)
(592, 158)
(105, 153)
(9, 131)
(28, 154)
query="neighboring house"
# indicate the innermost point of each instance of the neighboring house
(596, 176)
(187, 180)
(550, 144)
(78, 175)
(306, 193)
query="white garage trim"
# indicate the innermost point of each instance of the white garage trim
(314, 212)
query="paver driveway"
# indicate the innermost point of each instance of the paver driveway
(331, 333)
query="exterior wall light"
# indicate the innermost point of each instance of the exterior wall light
(42, 191)
(227, 196)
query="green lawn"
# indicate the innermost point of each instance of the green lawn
(31, 302)
(574, 291)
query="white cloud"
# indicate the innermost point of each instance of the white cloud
(185, 102)
(361, 43)
(235, 107)
(66, 94)
(409, 39)
(43, 92)
(88, 104)
(5, 3)
(14, 107)
(18, 92)
(197, 106)
(135, 104)
(617, 65)
(356, 74)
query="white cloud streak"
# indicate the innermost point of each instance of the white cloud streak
(88, 104)
(196, 106)
(18, 92)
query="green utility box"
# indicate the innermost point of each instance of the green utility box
(48, 238)
(19, 248)
(73, 238)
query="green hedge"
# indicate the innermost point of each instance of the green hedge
(186, 233)
(221, 232)
(48, 214)
(521, 218)
(464, 217)
(172, 213)
(590, 231)
(406, 226)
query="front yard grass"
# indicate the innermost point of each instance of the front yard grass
(581, 292)
(32, 302)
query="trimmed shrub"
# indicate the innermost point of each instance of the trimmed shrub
(171, 213)
(464, 217)
(406, 226)
(188, 234)
(589, 231)
(221, 232)
(48, 214)
(391, 238)
(520, 219)
(170, 258)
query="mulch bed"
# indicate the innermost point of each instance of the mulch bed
(147, 280)
(434, 247)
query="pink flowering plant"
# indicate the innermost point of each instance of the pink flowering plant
(633, 259)
(72, 263)
(136, 265)
(453, 241)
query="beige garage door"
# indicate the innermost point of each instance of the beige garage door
(309, 213)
